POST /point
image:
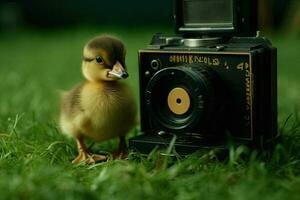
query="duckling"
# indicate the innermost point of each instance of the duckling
(101, 107)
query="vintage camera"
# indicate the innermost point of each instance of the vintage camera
(213, 82)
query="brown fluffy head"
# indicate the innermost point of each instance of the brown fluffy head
(100, 55)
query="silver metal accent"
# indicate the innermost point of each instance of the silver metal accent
(219, 48)
(207, 28)
(173, 40)
(147, 73)
(198, 42)
(257, 33)
(161, 133)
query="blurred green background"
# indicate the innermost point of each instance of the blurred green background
(77, 21)
(40, 55)
(17, 14)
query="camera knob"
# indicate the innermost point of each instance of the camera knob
(155, 64)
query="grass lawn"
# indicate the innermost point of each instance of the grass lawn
(36, 66)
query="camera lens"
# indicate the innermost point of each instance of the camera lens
(180, 98)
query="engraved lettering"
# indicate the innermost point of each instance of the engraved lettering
(181, 58)
(177, 59)
(216, 62)
(171, 59)
(246, 65)
(211, 61)
(201, 59)
(240, 66)
(248, 87)
(191, 59)
(197, 59)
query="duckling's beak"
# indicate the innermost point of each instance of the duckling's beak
(118, 71)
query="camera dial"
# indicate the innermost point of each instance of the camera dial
(155, 64)
(182, 97)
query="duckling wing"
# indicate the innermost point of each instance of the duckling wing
(70, 104)
(72, 116)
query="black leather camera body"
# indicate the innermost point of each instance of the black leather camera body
(212, 82)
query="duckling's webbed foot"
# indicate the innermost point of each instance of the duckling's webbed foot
(85, 156)
(88, 158)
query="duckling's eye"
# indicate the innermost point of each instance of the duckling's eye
(99, 60)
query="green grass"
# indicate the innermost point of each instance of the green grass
(35, 158)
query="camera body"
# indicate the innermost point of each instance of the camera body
(213, 82)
